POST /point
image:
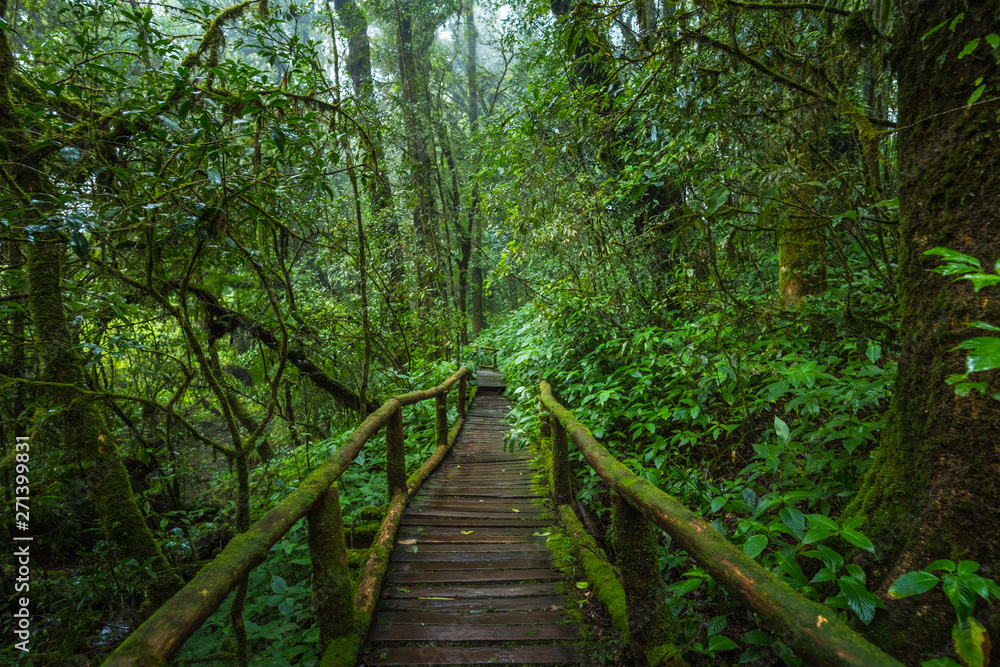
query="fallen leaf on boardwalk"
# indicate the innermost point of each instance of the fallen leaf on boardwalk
(554, 607)
(434, 599)
(468, 532)
(515, 510)
(407, 541)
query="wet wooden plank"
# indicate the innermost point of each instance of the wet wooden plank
(472, 549)
(507, 564)
(457, 592)
(470, 576)
(468, 617)
(467, 633)
(472, 558)
(498, 655)
(550, 603)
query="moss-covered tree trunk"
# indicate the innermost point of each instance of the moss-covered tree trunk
(86, 433)
(933, 491)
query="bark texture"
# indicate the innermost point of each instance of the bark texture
(933, 492)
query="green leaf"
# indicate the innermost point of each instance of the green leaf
(984, 353)
(953, 256)
(758, 637)
(969, 638)
(718, 503)
(967, 567)
(80, 244)
(969, 48)
(278, 585)
(755, 545)
(721, 643)
(984, 325)
(993, 39)
(582, 584)
(940, 662)
(794, 519)
(817, 535)
(821, 521)
(912, 583)
(858, 540)
(170, 123)
(776, 390)
(70, 154)
(781, 428)
(943, 564)
(976, 94)
(859, 600)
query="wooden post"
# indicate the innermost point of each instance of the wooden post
(544, 432)
(395, 454)
(462, 395)
(560, 464)
(441, 418)
(635, 550)
(333, 598)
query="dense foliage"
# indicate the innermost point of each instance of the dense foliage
(228, 232)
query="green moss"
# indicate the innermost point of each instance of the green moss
(342, 651)
(598, 572)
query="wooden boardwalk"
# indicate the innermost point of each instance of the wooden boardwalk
(469, 581)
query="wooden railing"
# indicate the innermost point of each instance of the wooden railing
(339, 616)
(813, 631)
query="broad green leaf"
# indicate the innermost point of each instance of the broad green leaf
(967, 567)
(953, 256)
(721, 643)
(817, 535)
(821, 521)
(993, 39)
(718, 503)
(858, 540)
(940, 662)
(716, 625)
(70, 154)
(758, 637)
(912, 583)
(755, 545)
(969, 638)
(776, 390)
(943, 564)
(781, 428)
(979, 324)
(984, 353)
(859, 600)
(278, 585)
(794, 519)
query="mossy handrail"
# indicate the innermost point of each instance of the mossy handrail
(810, 628)
(163, 634)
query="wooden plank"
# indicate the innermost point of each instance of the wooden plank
(471, 576)
(467, 617)
(550, 603)
(473, 550)
(472, 633)
(455, 592)
(496, 655)
(494, 563)
(508, 514)
(470, 523)
(422, 555)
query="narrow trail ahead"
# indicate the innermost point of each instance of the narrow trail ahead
(469, 581)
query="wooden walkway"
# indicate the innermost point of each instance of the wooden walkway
(470, 582)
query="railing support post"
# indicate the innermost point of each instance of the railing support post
(560, 464)
(463, 390)
(635, 551)
(395, 455)
(441, 418)
(333, 598)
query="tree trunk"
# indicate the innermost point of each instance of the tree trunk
(419, 155)
(933, 491)
(86, 433)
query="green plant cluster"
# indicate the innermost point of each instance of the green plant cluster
(768, 438)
